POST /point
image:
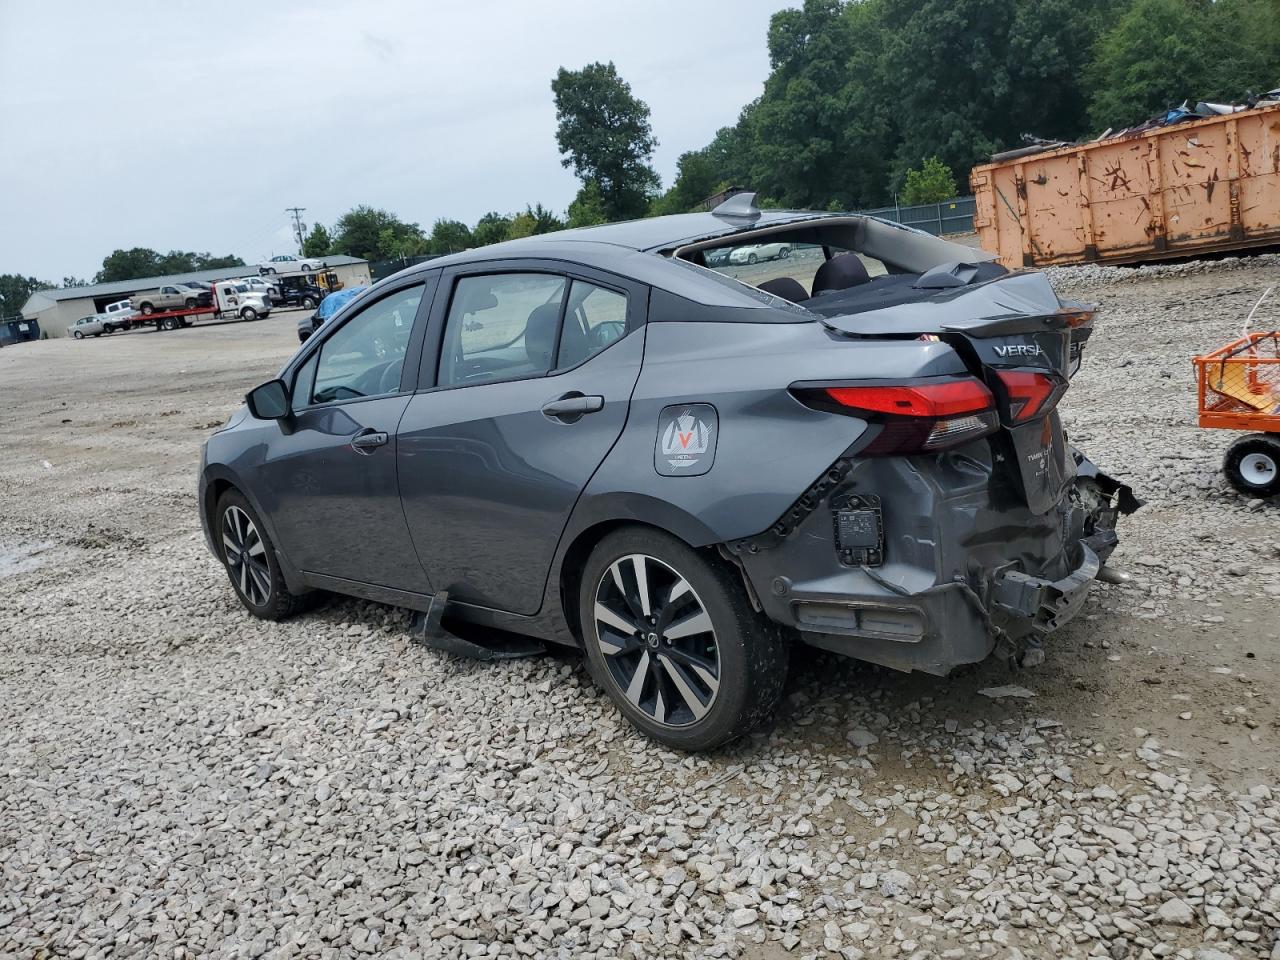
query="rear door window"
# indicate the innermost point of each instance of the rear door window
(594, 318)
(501, 327)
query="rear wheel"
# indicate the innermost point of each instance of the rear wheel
(250, 558)
(191, 303)
(147, 309)
(672, 638)
(1252, 465)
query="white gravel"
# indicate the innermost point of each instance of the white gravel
(179, 780)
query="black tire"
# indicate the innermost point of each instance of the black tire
(108, 328)
(309, 303)
(248, 313)
(784, 253)
(271, 271)
(190, 302)
(752, 258)
(147, 309)
(264, 592)
(1252, 465)
(98, 334)
(78, 334)
(748, 652)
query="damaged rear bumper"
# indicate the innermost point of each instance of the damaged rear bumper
(964, 569)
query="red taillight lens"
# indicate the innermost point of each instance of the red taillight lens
(914, 418)
(941, 399)
(1029, 394)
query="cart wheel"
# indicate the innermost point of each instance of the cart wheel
(1252, 465)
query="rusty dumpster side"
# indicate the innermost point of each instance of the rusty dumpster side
(1195, 187)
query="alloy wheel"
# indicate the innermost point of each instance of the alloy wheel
(657, 639)
(246, 556)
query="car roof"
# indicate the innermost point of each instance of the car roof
(650, 235)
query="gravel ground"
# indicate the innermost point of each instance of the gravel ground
(179, 780)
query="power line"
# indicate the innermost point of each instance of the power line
(299, 228)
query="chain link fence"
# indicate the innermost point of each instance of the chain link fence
(949, 216)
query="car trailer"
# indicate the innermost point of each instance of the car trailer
(221, 308)
(1238, 387)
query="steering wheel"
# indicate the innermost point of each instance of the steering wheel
(389, 382)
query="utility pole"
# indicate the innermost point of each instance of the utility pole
(299, 228)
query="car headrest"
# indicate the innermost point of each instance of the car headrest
(540, 335)
(788, 288)
(839, 273)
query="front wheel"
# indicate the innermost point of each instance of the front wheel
(752, 258)
(309, 303)
(79, 335)
(248, 313)
(247, 552)
(671, 636)
(147, 309)
(1252, 465)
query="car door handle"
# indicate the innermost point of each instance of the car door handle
(572, 407)
(368, 441)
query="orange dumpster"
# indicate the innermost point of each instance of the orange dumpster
(1194, 187)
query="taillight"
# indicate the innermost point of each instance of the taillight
(1028, 394)
(916, 417)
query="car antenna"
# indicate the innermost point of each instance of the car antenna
(741, 206)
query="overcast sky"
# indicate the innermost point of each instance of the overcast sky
(192, 126)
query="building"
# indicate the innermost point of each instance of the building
(57, 309)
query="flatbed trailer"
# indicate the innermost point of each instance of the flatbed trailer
(217, 310)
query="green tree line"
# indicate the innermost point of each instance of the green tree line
(865, 100)
(862, 91)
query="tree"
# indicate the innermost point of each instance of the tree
(697, 178)
(587, 208)
(373, 234)
(450, 236)
(15, 290)
(317, 243)
(932, 183)
(1161, 52)
(73, 282)
(604, 133)
(141, 262)
(491, 228)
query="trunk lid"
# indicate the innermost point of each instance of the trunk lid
(1009, 326)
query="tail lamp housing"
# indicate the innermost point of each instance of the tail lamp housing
(1027, 395)
(920, 416)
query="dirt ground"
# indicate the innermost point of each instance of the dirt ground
(176, 777)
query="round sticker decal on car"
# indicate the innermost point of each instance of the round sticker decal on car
(687, 436)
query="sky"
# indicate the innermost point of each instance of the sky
(192, 126)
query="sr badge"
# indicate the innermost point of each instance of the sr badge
(686, 440)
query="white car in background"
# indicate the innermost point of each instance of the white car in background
(288, 263)
(756, 252)
(264, 287)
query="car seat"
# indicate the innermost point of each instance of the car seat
(841, 272)
(788, 288)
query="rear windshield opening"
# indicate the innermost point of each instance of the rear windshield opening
(833, 280)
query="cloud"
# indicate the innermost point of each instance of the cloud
(189, 126)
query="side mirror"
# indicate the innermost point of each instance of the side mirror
(269, 401)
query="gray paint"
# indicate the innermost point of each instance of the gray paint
(483, 495)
